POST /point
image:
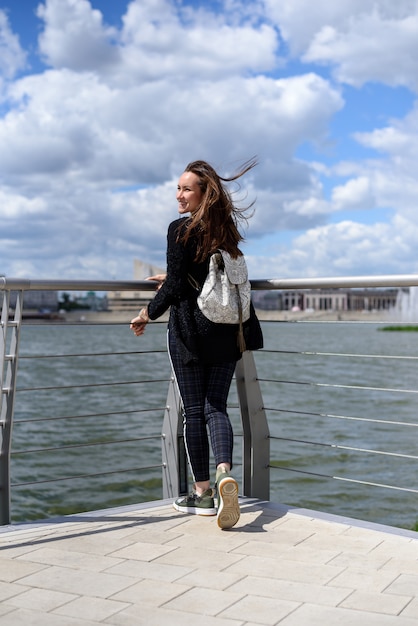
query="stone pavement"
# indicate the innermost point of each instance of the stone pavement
(150, 565)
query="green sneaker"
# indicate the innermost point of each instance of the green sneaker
(197, 505)
(228, 505)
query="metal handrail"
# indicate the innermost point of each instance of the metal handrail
(331, 282)
(256, 436)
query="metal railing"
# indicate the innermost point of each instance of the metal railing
(253, 410)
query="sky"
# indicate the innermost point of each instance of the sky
(104, 102)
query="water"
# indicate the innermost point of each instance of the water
(324, 427)
(307, 413)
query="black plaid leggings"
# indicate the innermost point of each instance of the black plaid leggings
(204, 392)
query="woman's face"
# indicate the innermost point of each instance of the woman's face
(189, 194)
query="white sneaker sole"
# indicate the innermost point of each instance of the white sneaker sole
(228, 505)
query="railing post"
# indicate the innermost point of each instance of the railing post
(175, 476)
(7, 394)
(256, 447)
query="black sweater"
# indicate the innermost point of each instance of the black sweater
(199, 340)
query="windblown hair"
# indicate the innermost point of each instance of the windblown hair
(215, 223)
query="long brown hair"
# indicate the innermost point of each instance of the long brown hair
(215, 222)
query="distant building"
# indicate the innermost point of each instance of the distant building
(326, 299)
(133, 300)
(92, 301)
(37, 300)
(372, 299)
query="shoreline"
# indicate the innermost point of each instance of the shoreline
(124, 317)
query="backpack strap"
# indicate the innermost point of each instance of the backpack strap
(241, 339)
(194, 283)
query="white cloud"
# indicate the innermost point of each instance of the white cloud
(364, 40)
(393, 177)
(371, 50)
(96, 141)
(94, 134)
(154, 42)
(355, 193)
(397, 139)
(16, 206)
(342, 249)
(75, 36)
(12, 56)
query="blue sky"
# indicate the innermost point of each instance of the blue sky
(103, 103)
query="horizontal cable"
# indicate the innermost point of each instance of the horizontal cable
(340, 447)
(88, 385)
(87, 415)
(345, 354)
(339, 386)
(58, 322)
(319, 322)
(83, 445)
(348, 480)
(120, 471)
(89, 354)
(342, 417)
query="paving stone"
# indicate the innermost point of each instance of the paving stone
(376, 602)
(268, 611)
(95, 609)
(41, 599)
(149, 593)
(150, 565)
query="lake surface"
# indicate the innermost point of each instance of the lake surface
(319, 407)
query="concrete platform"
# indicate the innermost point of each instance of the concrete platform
(150, 565)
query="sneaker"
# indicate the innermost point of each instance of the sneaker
(197, 505)
(228, 505)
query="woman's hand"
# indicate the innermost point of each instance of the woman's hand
(160, 278)
(139, 322)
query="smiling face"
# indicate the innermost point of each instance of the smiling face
(189, 193)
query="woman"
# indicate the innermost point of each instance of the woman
(203, 354)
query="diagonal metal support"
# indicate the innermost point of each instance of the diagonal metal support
(175, 474)
(9, 352)
(256, 447)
